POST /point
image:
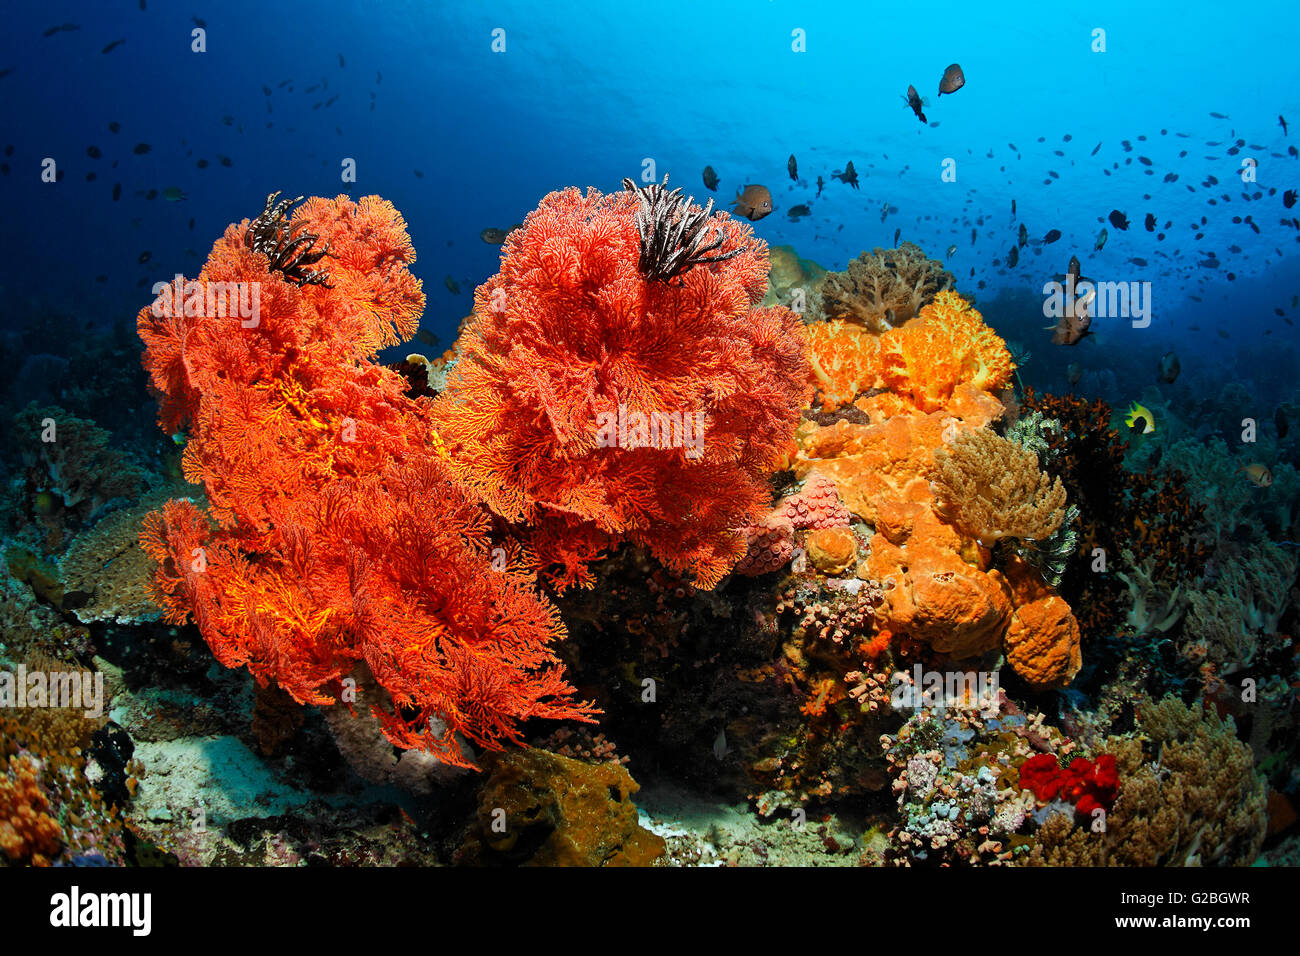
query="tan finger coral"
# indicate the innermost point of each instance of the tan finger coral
(992, 489)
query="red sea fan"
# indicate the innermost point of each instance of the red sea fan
(595, 405)
(337, 532)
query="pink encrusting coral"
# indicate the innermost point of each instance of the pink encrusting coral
(771, 543)
(818, 505)
(771, 546)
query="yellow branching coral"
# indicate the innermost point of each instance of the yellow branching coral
(992, 488)
(944, 346)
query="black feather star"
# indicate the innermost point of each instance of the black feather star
(674, 235)
(289, 253)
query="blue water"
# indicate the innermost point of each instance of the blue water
(587, 93)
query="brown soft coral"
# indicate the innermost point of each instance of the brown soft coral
(1189, 796)
(992, 488)
(884, 288)
(557, 812)
(1150, 513)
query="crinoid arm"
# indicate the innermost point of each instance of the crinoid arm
(290, 254)
(676, 235)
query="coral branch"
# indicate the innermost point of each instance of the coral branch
(596, 405)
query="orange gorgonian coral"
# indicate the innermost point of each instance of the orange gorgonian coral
(596, 405)
(337, 533)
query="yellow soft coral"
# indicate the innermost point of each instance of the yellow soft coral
(946, 345)
(843, 358)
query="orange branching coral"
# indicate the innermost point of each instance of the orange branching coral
(947, 344)
(596, 405)
(337, 533)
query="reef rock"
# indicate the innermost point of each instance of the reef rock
(540, 809)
